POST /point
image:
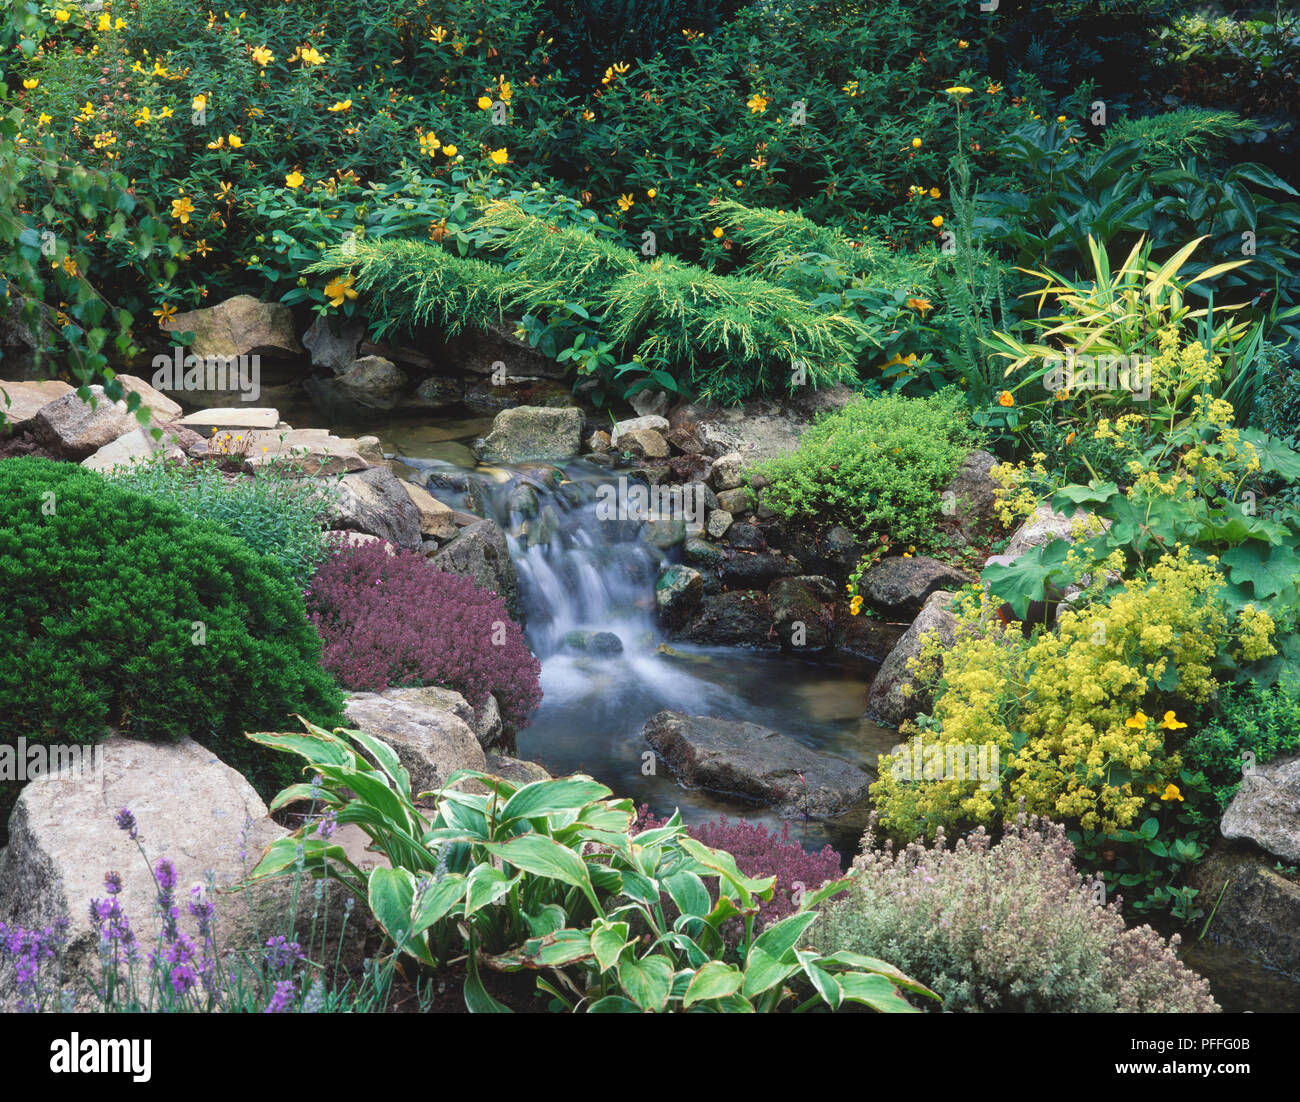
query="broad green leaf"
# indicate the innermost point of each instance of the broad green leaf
(542, 856)
(608, 940)
(646, 981)
(487, 884)
(543, 797)
(715, 980)
(874, 991)
(689, 893)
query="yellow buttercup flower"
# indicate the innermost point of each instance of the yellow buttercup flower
(236, 142)
(201, 247)
(263, 56)
(484, 103)
(934, 193)
(30, 84)
(937, 221)
(337, 290)
(294, 179)
(62, 16)
(651, 193)
(449, 150)
(718, 231)
(182, 208)
(499, 156)
(855, 605)
(916, 143)
(164, 314)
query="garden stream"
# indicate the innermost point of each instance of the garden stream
(581, 574)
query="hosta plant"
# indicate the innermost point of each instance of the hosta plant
(549, 877)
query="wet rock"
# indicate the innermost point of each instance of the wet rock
(375, 501)
(897, 587)
(599, 441)
(727, 470)
(489, 396)
(543, 528)
(480, 552)
(1256, 909)
(678, 593)
(664, 534)
(1266, 809)
(755, 763)
(733, 619)
(533, 432)
(895, 694)
(745, 537)
(523, 501)
(497, 349)
(701, 553)
(971, 496)
(718, 523)
(747, 570)
(864, 636)
(438, 392)
(333, 349)
(644, 444)
(240, 326)
(802, 612)
(598, 644)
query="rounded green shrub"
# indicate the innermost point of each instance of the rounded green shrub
(121, 611)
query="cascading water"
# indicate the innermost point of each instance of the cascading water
(587, 583)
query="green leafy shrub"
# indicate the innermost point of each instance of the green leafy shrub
(1007, 926)
(551, 878)
(122, 611)
(276, 513)
(877, 465)
(1262, 722)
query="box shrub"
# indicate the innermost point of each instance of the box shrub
(392, 619)
(122, 611)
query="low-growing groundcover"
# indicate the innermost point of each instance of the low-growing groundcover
(120, 611)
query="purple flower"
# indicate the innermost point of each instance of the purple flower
(113, 883)
(327, 824)
(284, 992)
(126, 821)
(281, 953)
(165, 873)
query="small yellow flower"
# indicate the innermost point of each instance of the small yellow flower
(1170, 722)
(484, 103)
(263, 56)
(962, 44)
(164, 314)
(165, 113)
(182, 208)
(341, 105)
(651, 193)
(625, 202)
(718, 231)
(30, 84)
(994, 88)
(201, 247)
(588, 115)
(958, 90)
(922, 305)
(311, 57)
(757, 104)
(43, 119)
(1171, 793)
(916, 143)
(1007, 399)
(934, 193)
(337, 290)
(1060, 118)
(62, 16)
(217, 144)
(855, 605)
(104, 23)
(438, 34)
(499, 156)
(1069, 440)
(449, 150)
(937, 221)
(200, 102)
(1139, 721)
(294, 179)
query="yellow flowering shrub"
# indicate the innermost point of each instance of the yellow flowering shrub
(1065, 709)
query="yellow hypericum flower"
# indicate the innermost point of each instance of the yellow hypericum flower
(851, 88)
(311, 57)
(263, 56)
(164, 314)
(588, 115)
(342, 105)
(504, 91)
(651, 193)
(958, 90)
(143, 116)
(438, 34)
(1170, 722)
(962, 43)
(337, 290)
(165, 113)
(87, 111)
(718, 231)
(236, 142)
(119, 24)
(756, 103)
(1171, 793)
(625, 202)
(937, 221)
(1007, 399)
(105, 22)
(182, 208)
(223, 192)
(484, 103)
(62, 16)
(934, 193)
(1060, 118)
(924, 305)
(1069, 440)
(30, 84)
(201, 247)
(217, 144)
(294, 179)
(200, 102)
(449, 150)
(160, 70)
(1138, 721)
(499, 156)
(43, 118)
(916, 143)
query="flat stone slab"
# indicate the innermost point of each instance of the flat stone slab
(26, 400)
(230, 418)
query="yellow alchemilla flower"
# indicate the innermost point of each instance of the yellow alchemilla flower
(625, 202)
(341, 105)
(263, 56)
(294, 179)
(30, 84)
(338, 290)
(1171, 793)
(1137, 721)
(499, 156)
(757, 104)
(484, 103)
(1170, 722)
(182, 208)
(718, 231)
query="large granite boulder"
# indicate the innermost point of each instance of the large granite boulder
(480, 552)
(21, 402)
(431, 742)
(1266, 809)
(374, 501)
(239, 326)
(898, 587)
(755, 763)
(533, 432)
(76, 429)
(895, 694)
